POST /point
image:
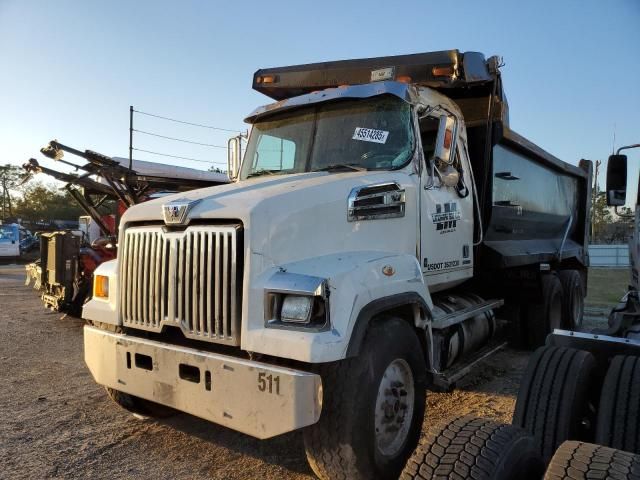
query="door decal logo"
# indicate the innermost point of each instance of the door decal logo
(446, 217)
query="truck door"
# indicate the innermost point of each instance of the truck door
(446, 245)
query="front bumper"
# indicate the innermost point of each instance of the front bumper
(255, 398)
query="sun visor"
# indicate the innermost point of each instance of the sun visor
(398, 89)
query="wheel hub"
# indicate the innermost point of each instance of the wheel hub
(394, 407)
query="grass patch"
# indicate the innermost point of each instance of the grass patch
(607, 286)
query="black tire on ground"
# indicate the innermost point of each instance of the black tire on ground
(81, 293)
(578, 461)
(477, 448)
(344, 444)
(572, 299)
(545, 315)
(553, 403)
(618, 424)
(140, 406)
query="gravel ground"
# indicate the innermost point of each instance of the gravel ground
(55, 422)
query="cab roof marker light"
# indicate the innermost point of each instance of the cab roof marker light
(447, 71)
(267, 79)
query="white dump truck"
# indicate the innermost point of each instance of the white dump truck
(382, 214)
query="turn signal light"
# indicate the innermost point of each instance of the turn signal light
(403, 79)
(101, 286)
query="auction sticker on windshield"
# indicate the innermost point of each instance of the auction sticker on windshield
(370, 135)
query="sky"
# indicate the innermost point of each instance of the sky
(71, 69)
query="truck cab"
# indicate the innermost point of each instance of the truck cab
(382, 214)
(14, 240)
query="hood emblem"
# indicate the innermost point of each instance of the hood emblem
(175, 213)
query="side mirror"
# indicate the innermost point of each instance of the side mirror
(616, 180)
(234, 156)
(445, 141)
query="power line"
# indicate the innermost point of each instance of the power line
(179, 139)
(176, 156)
(187, 123)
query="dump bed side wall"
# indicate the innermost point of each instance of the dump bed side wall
(533, 201)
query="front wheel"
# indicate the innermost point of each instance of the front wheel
(373, 407)
(140, 406)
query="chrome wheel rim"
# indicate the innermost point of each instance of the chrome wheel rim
(394, 407)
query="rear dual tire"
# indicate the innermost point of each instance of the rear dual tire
(545, 315)
(573, 294)
(560, 305)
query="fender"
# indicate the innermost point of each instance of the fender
(360, 284)
(105, 310)
(368, 313)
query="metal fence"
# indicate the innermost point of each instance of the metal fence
(609, 255)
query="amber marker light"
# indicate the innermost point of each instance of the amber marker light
(101, 286)
(267, 79)
(442, 71)
(448, 136)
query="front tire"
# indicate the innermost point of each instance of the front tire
(140, 406)
(373, 407)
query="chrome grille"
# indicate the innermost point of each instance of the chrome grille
(189, 279)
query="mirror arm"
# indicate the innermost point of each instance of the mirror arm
(627, 147)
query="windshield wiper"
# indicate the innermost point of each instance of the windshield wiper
(341, 166)
(258, 173)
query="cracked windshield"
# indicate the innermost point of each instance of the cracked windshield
(365, 134)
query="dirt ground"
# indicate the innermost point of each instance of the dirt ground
(55, 422)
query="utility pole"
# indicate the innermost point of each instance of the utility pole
(131, 137)
(594, 199)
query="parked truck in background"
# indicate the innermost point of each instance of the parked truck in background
(594, 376)
(15, 240)
(385, 229)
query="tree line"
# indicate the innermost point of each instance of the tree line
(33, 200)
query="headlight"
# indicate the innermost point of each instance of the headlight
(296, 309)
(294, 300)
(101, 286)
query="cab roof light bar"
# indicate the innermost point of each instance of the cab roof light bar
(442, 69)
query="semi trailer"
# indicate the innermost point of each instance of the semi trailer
(585, 386)
(384, 232)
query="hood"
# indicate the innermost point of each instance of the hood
(290, 217)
